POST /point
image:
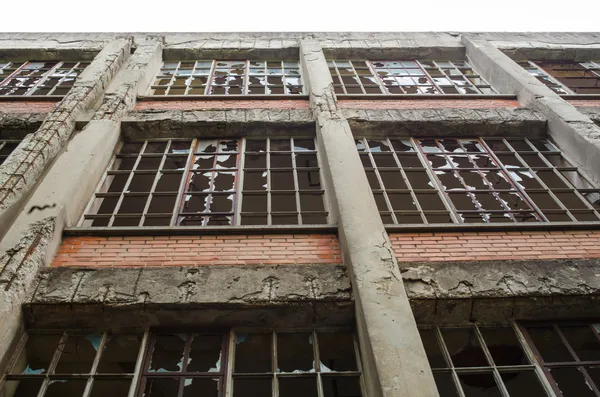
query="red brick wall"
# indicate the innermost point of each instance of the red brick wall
(495, 245)
(26, 107)
(427, 103)
(585, 102)
(229, 104)
(198, 250)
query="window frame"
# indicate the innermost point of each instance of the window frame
(529, 65)
(31, 91)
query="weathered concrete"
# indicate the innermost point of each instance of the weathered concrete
(22, 169)
(573, 131)
(394, 361)
(274, 296)
(502, 291)
(18, 125)
(505, 122)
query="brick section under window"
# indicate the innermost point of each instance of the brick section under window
(27, 107)
(495, 245)
(427, 104)
(230, 104)
(148, 251)
(586, 103)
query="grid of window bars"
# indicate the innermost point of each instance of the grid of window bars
(566, 77)
(569, 355)
(482, 361)
(220, 77)
(475, 180)
(281, 183)
(406, 77)
(195, 183)
(299, 363)
(6, 148)
(74, 364)
(39, 78)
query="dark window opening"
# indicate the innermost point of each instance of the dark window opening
(566, 77)
(41, 78)
(7, 146)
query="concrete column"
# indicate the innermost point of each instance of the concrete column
(573, 131)
(394, 360)
(62, 195)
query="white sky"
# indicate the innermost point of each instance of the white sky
(299, 15)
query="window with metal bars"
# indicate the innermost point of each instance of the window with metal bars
(566, 77)
(406, 77)
(517, 360)
(223, 77)
(6, 148)
(211, 182)
(476, 180)
(236, 363)
(43, 78)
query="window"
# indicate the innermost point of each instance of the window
(319, 363)
(406, 77)
(481, 361)
(566, 77)
(39, 77)
(6, 148)
(221, 77)
(200, 183)
(475, 180)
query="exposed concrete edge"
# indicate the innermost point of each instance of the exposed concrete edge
(176, 296)
(18, 125)
(361, 50)
(549, 52)
(285, 52)
(500, 291)
(32, 51)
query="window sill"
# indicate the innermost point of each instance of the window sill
(489, 227)
(425, 96)
(31, 98)
(198, 230)
(220, 97)
(581, 97)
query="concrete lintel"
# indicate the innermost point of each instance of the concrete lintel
(502, 291)
(394, 360)
(267, 295)
(363, 50)
(288, 53)
(574, 132)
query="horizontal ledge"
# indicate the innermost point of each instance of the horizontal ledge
(424, 96)
(198, 230)
(580, 97)
(31, 98)
(488, 227)
(191, 98)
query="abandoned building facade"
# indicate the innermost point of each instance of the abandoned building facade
(289, 214)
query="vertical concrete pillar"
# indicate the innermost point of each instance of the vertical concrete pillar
(394, 360)
(574, 132)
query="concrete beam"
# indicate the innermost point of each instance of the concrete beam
(574, 132)
(394, 360)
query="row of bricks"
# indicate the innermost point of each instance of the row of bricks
(492, 235)
(428, 104)
(488, 257)
(193, 262)
(231, 104)
(26, 107)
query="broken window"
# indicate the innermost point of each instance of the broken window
(6, 148)
(475, 180)
(44, 78)
(222, 77)
(62, 364)
(566, 77)
(199, 183)
(406, 77)
(478, 361)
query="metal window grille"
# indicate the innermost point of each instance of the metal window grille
(406, 77)
(222, 77)
(197, 183)
(6, 148)
(475, 180)
(310, 363)
(566, 77)
(41, 78)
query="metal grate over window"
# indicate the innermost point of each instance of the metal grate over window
(197, 183)
(307, 363)
(39, 77)
(6, 148)
(566, 77)
(222, 77)
(406, 77)
(475, 180)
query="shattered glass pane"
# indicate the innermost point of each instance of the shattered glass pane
(295, 352)
(21, 388)
(464, 348)
(252, 353)
(167, 355)
(161, 387)
(252, 387)
(205, 353)
(479, 385)
(549, 344)
(110, 387)
(523, 384)
(298, 387)
(65, 388)
(503, 346)
(37, 354)
(205, 387)
(120, 354)
(78, 354)
(571, 382)
(336, 351)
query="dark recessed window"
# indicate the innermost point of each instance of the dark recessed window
(406, 77)
(222, 77)
(475, 180)
(211, 182)
(6, 148)
(42, 78)
(566, 77)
